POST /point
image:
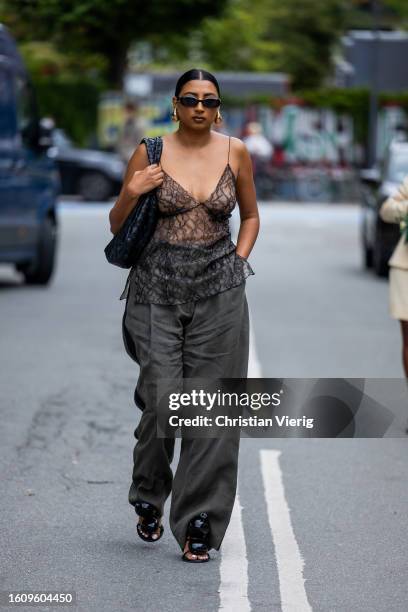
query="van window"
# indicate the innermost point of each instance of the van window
(7, 109)
(26, 111)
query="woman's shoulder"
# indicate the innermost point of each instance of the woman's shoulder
(235, 141)
(238, 145)
(240, 152)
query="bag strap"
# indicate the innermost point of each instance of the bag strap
(154, 146)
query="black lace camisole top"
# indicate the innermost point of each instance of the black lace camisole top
(190, 255)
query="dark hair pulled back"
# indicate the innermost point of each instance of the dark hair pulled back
(196, 74)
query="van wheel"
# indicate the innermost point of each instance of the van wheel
(367, 250)
(94, 187)
(40, 270)
(368, 257)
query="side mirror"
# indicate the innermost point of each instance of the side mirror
(370, 176)
(46, 126)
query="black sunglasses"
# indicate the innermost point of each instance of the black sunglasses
(191, 101)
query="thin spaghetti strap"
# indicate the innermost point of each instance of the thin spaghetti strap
(229, 146)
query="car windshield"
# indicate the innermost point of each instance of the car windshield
(398, 167)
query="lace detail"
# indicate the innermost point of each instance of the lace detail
(182, 219)
(190, 255)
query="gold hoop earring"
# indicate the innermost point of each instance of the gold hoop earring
(218, 117)
(174, 116)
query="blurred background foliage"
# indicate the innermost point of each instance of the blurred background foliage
(75, 49)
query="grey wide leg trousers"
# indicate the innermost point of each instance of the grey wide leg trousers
(205, 338)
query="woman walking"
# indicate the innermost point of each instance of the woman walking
(395, 210)
(186, 312)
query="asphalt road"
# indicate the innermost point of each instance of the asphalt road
(318, 524)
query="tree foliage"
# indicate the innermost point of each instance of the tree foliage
(105, 27)
(295, 36)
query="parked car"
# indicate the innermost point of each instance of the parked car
(378, 239)
(94, 175)
(29, 178)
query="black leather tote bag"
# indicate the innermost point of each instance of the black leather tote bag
(127, 245)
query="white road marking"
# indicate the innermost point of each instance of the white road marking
(234, 561)
(234, 565)
(289, 559)
(254, 365)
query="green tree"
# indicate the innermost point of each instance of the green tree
(401, 9)
(294, 36)
(388, 14)
(307, 31)
(105, 27)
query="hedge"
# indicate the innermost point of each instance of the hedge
(72, 103)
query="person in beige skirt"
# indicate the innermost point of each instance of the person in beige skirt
(394, 210)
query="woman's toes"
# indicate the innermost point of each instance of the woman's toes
(146, 534)
(191, 555)
(194, 556)
(143, 531)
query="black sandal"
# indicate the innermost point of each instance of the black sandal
(151, 517)
(198, 532)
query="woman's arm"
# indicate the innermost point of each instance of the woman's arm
(396, 206)
(246, 196)
(140, 177)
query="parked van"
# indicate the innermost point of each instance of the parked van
(29, 178)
